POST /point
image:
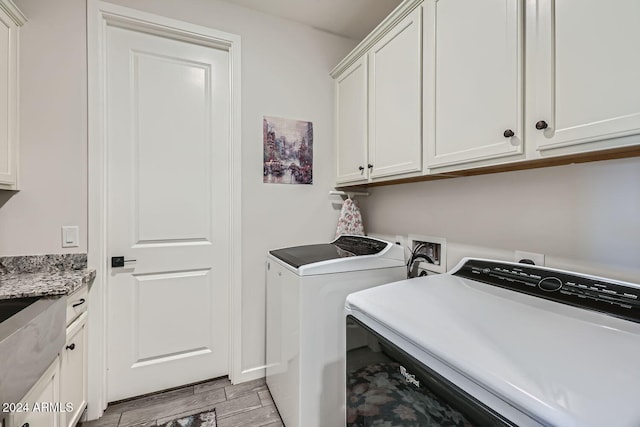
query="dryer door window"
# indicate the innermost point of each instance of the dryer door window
(386, 386)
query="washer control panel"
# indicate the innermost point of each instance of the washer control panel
(614, 298)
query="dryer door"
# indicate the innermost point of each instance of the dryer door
(390, 387)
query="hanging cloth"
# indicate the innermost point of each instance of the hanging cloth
(350, 221)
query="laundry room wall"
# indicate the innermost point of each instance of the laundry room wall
(584, 217)
(53, 131)
(285, 73)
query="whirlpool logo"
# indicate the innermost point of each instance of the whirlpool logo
(409, 377)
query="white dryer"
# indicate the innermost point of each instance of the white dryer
(494, 343)
(306, 291)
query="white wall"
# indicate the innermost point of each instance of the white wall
(584, 217)
(53, 131)
(285, 72)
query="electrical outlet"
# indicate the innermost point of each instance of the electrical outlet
(538, 259)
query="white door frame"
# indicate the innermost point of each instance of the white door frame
(101, 15)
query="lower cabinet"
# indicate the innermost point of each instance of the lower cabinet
(73, 371)
(59, 397)
(42, 406)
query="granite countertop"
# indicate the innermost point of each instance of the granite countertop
(43, 275)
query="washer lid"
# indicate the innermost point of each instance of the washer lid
(342, 247)
(560, 364)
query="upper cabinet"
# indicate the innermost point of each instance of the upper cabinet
(351, 122)
(501, 85)
(10, 20)
(395, 141)
(585, 71)
(473, 80)
(378, 102)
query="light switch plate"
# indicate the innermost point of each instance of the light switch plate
(70, 236)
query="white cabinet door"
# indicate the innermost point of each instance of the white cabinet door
(10, 20)
(168, 138)
(473, 80)
(73, 371)
(588, 72)
(395, 140)
(351, 123)
(42, 403)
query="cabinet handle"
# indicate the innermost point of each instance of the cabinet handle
(82, 301)
(71, 346)
(508, 133)
(360, 168)
(370, 166)
(541, 125)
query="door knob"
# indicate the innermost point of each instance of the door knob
(541, 125)
(119, 261)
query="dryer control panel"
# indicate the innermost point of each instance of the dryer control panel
(615, 298)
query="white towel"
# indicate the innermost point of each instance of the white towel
(350, 221)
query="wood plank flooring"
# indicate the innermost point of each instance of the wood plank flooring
(242, 405)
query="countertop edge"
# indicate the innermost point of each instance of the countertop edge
(43, 284)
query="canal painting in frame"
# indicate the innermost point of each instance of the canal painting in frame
(288, 151)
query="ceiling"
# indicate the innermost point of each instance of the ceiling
(349, 18)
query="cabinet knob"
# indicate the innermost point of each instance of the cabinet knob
(71, 346)
(360, 168)
(508, 133)
(370, 166)
(541, 125)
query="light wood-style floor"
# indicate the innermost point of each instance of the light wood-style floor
(242, 405)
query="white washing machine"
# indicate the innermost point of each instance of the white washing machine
(306, 291)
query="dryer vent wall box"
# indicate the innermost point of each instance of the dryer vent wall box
(433, 248)
(306, 291)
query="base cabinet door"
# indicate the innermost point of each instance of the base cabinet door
(42, 406)
(73, 371)
(473, 80)
(587, 64)
(351, 123)
(395, 83)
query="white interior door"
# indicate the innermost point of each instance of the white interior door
(167, 126)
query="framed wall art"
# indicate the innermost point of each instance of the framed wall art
(288, 151)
